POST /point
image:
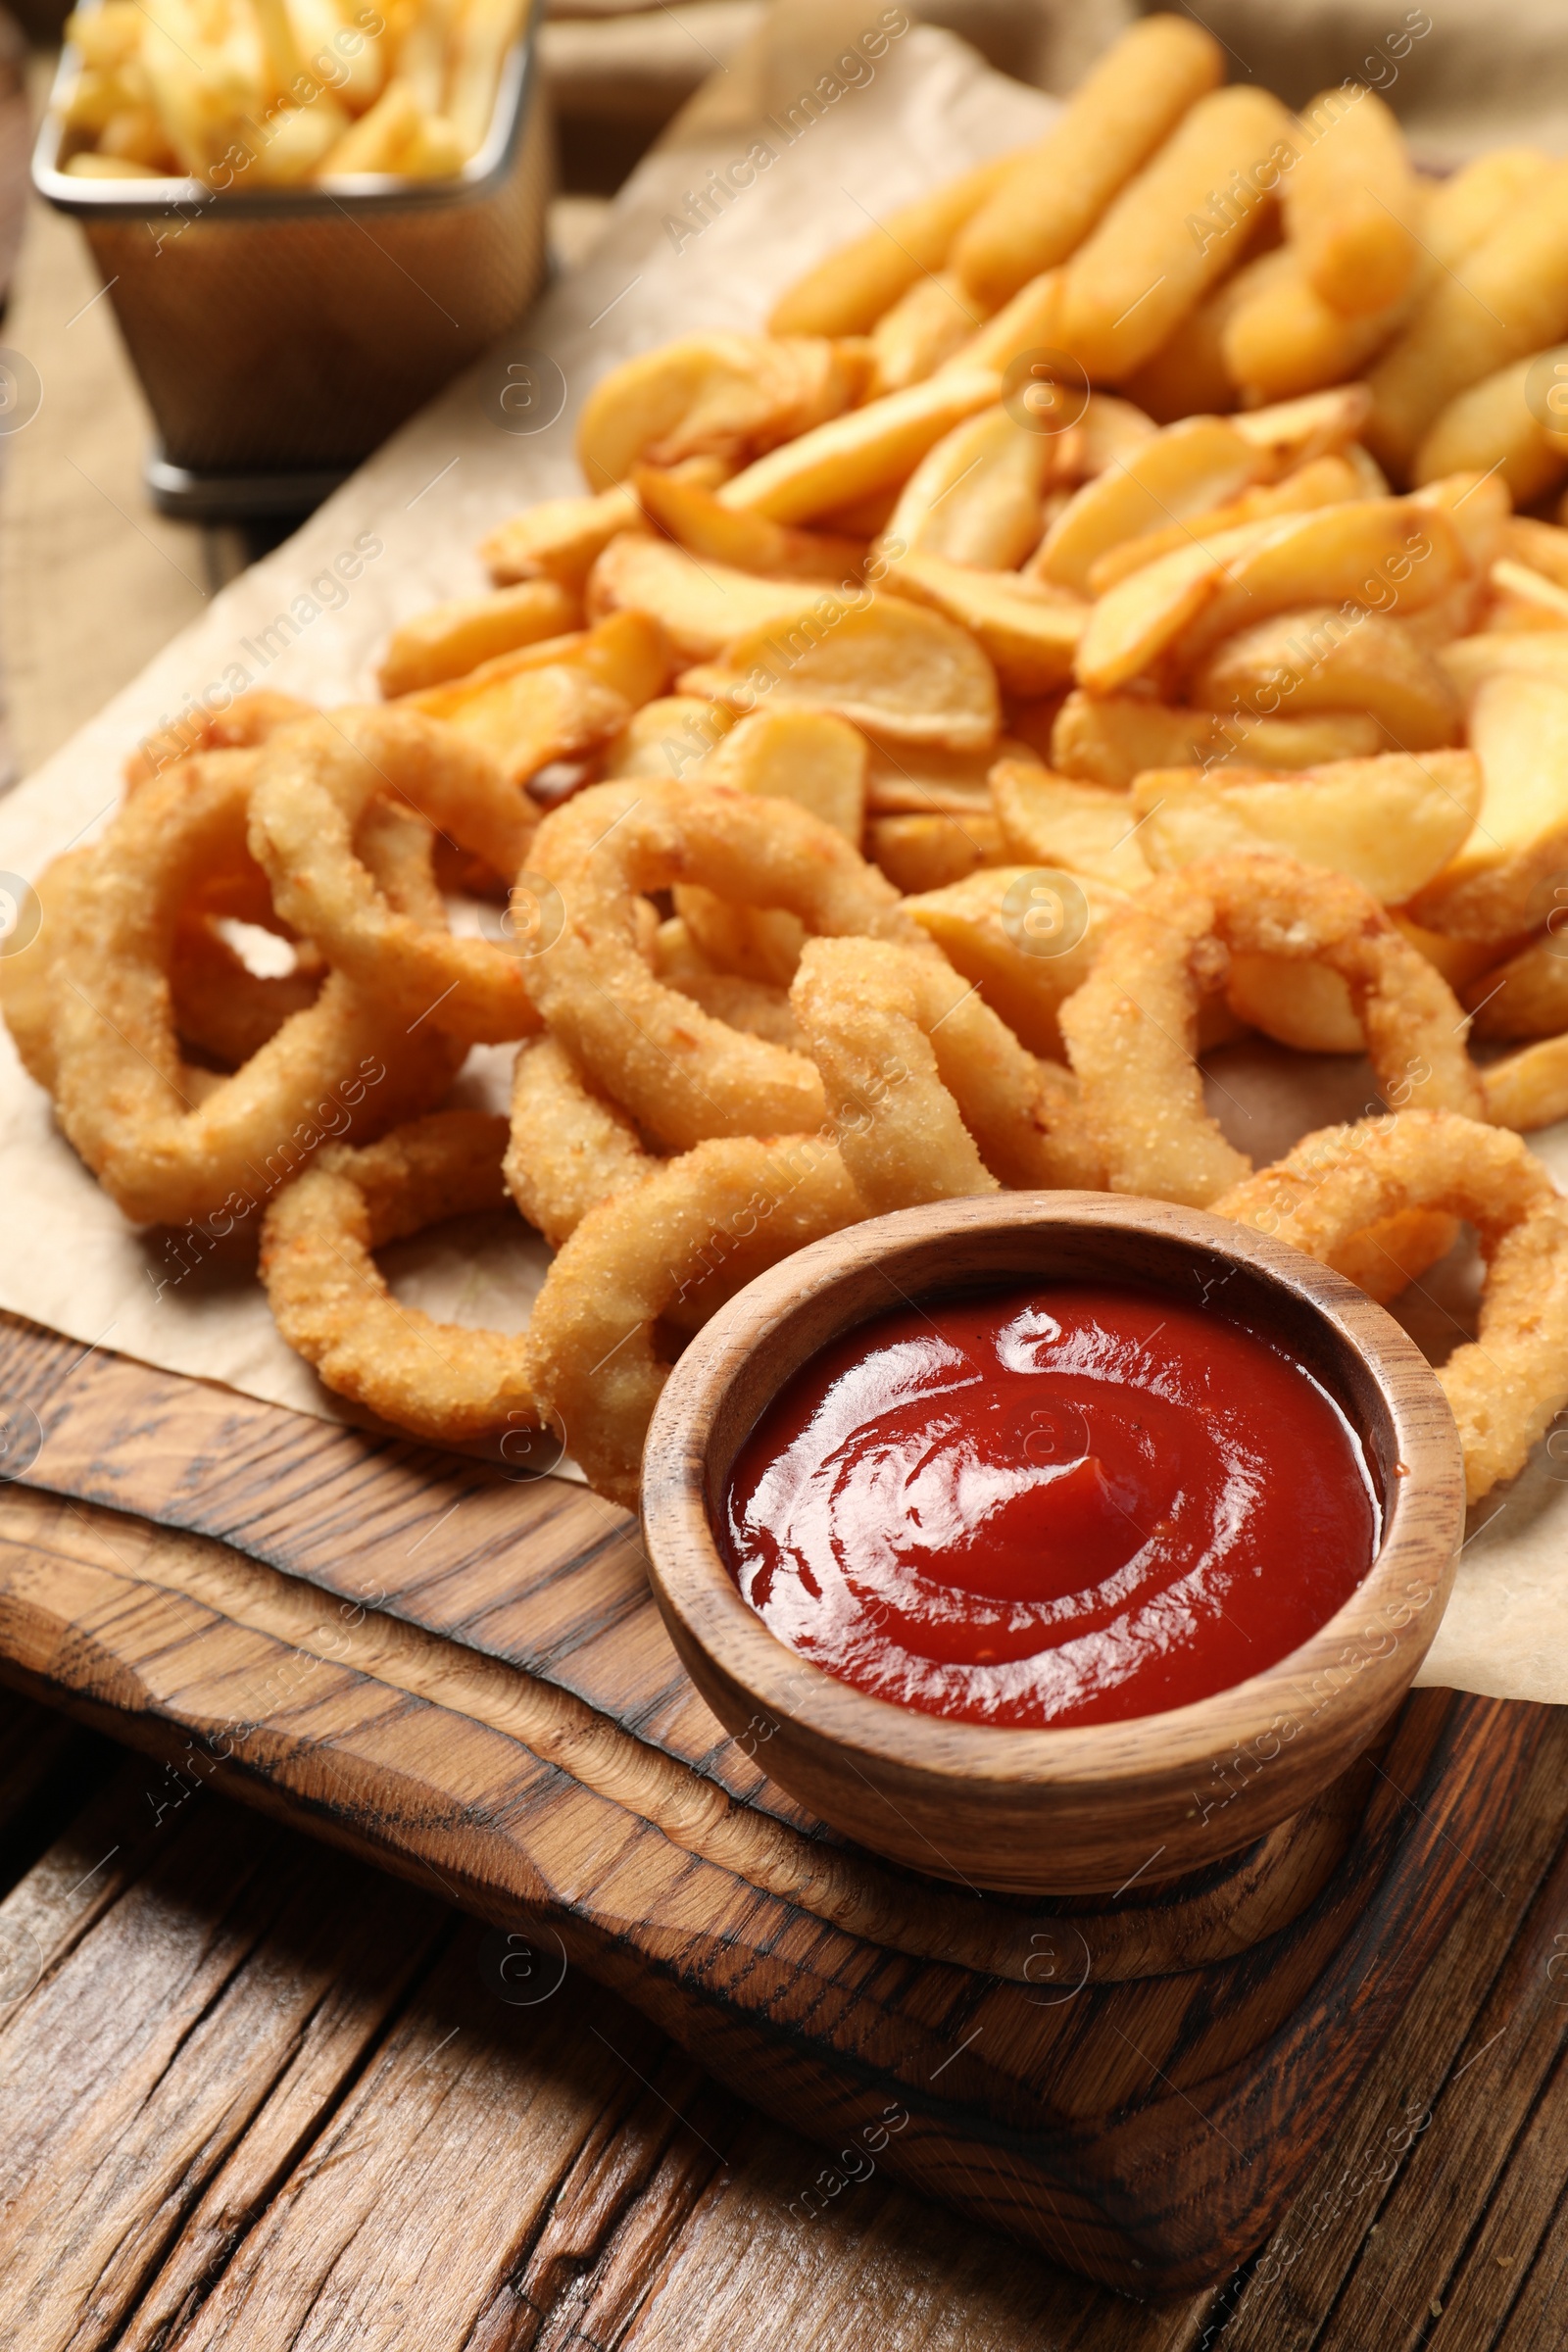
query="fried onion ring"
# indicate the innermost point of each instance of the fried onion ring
(1507, 1384)
(682, 1074)
(250, 719)
(570, 1149)
(443, 1381)
(313, 786)
(932, 1095)
(166, 1145)
(703, 1224)
(1131, 1028)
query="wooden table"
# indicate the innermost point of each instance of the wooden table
(253, 2095)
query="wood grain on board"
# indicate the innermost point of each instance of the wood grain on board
(507, 1726)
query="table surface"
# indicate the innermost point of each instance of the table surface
(253, 2095)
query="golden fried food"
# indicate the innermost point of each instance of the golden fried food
(1508, 1386)
(1131, 1029)
(570, 1147)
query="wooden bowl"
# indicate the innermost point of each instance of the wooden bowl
(1080, 1809)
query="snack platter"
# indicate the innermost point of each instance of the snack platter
(937, 719)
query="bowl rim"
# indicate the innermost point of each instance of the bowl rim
(705, 1611)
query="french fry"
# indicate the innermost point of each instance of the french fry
(1187, 470)
(1047, 203)
(979, 922)
(560, 539)
(1508, 297)
(1351, 204)
(1030, 631)
(926, 326)
(701, 606)
(300, 140)
(975, 498)
(927, 853)
(1143, 269)
(1391, 822)
(451, 639)
(1048, 820)
(376, 142)
(1492, 889)
(1110, 740)
(704, 527)
(849, 292)
(1528, 995)
(725, 395)
(1326, 660)
(871, 448)
(1325, 482)
(1282, 338)
(485, 31)
(669, 737)
(894, 669)
(1490, 429)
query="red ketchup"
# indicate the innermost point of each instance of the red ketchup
(1050, 1505)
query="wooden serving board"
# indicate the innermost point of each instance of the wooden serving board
(463, 1676)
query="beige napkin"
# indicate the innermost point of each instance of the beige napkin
(903, 119)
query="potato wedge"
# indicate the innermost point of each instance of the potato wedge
(1142, 268)
(670, 736)
(1494, 652)
(1024, 936)
(1383, 553)
(871, 448)
(1529, 1089)
(927, 853)
(1110, 739)
(698, 522)
(1049, 820)
(726, 394)
(1029, 630)
(1544, 546)
(1330, 660)
(451, 639)
(1325, 482)
(1300, 1004)
(1459, 960)
(1532, 600)
(847, 293)
(923, 779)
(1476, 507)
(925, 328)
(1296, 431)
(1185, 470)
(1135, 621)
(560, 539)
(975, 498)
(1390, 822)
(897, 670)
(527, 717)
(1500, 883)
(1046, 204)
(700, 606)
(1527, 996)
(1490, 427)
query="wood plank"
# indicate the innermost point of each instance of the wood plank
(464, 1775)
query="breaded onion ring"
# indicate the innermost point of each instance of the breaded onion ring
(163, 1144)
(250, 719)
(681, 1074)
(570, 1149)
(442, 1381)
(313, 786)
(222, 1007)
(1508, 1386)
(701, 1225)
(932, 1095)
(1131, 1028)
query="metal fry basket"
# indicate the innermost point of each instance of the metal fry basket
(281, 334)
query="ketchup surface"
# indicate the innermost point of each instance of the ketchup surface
(1050, 1505)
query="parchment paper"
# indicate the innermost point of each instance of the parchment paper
(923, 110)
